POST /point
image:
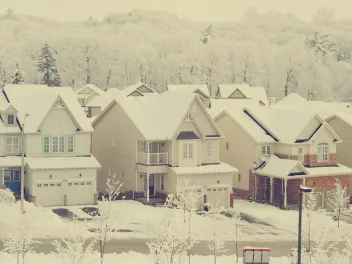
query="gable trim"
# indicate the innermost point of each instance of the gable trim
(103, 112)
(150, 90)
(244, 96)
(135, 91)
(337, 139)
(317, 116)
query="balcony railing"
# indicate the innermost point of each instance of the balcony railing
(153, 158)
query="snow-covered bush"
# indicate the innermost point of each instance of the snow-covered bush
(338, 201)
(6, 196)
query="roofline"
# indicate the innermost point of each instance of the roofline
(135, 91)
(325, 124)
(86, 86)
(104, 111)
(315, 116)
(301, 176)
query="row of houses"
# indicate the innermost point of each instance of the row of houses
(239, 144)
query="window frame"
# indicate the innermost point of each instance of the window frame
(266, 150)
(12, 118)
(68, 137)
(12, 147)
(323, 152)
(188, 151)
(300, 156)
(162, 182)
(55, 145)
(209, 150)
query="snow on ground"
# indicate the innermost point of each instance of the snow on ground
(287, 220)
(131, 258)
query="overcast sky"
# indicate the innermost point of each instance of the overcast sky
(214, 10)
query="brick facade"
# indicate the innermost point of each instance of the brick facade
(293, 190)
(311, 160)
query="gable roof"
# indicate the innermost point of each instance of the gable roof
(91, 86)
(105, 99)
(344, 116)
(149, 114)
(329, 128)
(134, 87)
(227, 90)
(276, 167)
(190, 88)
(37, 101)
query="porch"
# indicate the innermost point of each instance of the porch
(153, 152)
(10, 173)
(151, 186)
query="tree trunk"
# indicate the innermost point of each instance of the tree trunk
(108, 79)
(18, 258)
(101, 245)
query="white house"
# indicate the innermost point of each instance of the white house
(59, 169)
(87, 93)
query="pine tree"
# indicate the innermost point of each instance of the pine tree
(4, 78)
(47, 67)
(18, 76)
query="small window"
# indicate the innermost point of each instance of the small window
(122, 174)
(109, 171)
(225, 189)
(300, 155)
(46, 185)
(266, 150)
(70, 184)
(214, 190)
(39, 185)
(198, 191)
(52, 185)
(209, 150)
(323, 152)
(10, 119)
(227, 146)
(59, 184)
(89, 183)
(208, 190)
(239, 178)
(46, 144)
(83, 183)
(76, 183)
(113, 142)
(70, 144)
(162, 182)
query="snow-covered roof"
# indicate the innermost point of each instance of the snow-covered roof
(152, 115)
(91, 86)
(63, 163)
(189, 88)
(134, 87)
(227, 89)
(10, 161)
(276, 167)
(259, 94)
(105, 99)
(37, 100)
(213, 168)
(3, 128)
(285, 124)
(291, 100)
(332, 170)
(345, 116)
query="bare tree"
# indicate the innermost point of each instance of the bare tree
(235, 221)
(89, 63)
(338, 201)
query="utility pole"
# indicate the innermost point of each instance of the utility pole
(22, 164)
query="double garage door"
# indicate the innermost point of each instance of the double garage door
(53, 194)
(219, 195)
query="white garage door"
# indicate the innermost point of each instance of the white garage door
(49, 194)
(80, 192)
(217, 194)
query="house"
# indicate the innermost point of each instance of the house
(139, 89)
(151, 142)
(87, 93)
(242, 92)
(99, 103)
(200, 89)
(59, 168)
(277, 150)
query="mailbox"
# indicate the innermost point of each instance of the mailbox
(252, 255)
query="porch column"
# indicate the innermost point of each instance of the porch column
(285, 194)
(271, 189)
(147, 187)
(255, 187)
(148, 144)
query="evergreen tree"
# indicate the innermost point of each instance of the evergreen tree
(18, 76)
(47, 67)
(4, 78)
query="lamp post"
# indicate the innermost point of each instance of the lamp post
(302, 190)
(22, 164)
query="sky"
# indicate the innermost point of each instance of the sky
(197, 10)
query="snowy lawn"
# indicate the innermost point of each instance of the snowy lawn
(287, 220)
(130, 258)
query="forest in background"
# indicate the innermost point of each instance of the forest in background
(274, 50)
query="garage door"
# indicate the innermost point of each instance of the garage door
(200, 201)
(318, 200)
(49, 194)
(80, 193)
(218, 194)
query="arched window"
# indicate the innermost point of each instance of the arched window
(323, 152)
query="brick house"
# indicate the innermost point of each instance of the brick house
(277, 150)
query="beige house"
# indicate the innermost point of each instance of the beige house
(150, 142)
(277, 150)
(87, 93)
(138, 89)
(59, 168)
(200, 89)
(242, 92)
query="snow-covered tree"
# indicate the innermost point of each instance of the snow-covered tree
(18, 75)
(305, 256)
(6, 196)
(75, 249)
(216, 242)
(309, 212)
(47, 66)
(20, 241)
(189, 200)
(104, 219)
(338, 201)
(4, 77)
(322, 246)
(321, 44)
(236, 231)
(347, 251)
(169, 241)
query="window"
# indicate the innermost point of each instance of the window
(59, 104)
(12, 144)
(70, 184)
(83, 183)
(162, 182)
(52, 185)
(323, 152)
(109, 171)
(16, 175)
(145, 145)
(239, 178)
(59, 184)
(61, 144)
(76, 183)
(266, 150)
(55, 146)
(10, 119)
(227, 146)
(45, 185)
(46, 144)
(39, 185)
(7, 176)
(188, 149)
(122, 173)
(209, 150)
(70, 144)
(113, 141)
(300, 155)
(89, 183)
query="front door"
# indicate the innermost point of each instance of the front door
(151, 184)
(12, 179)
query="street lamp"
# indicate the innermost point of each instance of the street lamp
(302, 189)
(22, 164)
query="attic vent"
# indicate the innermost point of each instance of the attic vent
(59, 104)
(39, 131)
(77, 130)
(188, 117)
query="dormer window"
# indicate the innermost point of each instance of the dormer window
(10, 119)
(266, 150)
(323, 152)
(59, 104)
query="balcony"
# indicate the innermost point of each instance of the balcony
(155, 159)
